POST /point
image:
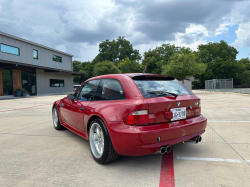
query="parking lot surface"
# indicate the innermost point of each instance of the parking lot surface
(33, 153)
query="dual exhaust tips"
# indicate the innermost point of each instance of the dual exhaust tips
(164, 149)
(194, 140)
(168, 148)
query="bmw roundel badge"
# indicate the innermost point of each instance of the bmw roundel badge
(179, 103)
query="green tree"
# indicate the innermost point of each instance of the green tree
(128, 66)
(105, 67)
(88, 69)
(77, 68)
(244, 74)
(160, 56)
(183, 65)
(221, 62)
(83, 67)
(153, 65)
(76, 65)
(117, 50)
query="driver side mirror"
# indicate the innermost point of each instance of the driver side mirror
(71, 97)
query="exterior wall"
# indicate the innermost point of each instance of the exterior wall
(17, 80)
(1, 81)
(43, 82)
(26, 55)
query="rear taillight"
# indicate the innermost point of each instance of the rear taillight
(197, 111)
(140, 117)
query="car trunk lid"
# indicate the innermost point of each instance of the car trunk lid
(161, 106)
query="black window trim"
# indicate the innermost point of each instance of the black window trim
(37, 54)
(10, 46)
(121, 86)
(83, 86)
(59, 84)
(101, 79)
(57, 56)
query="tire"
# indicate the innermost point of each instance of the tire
(100, 143)
(56, 120)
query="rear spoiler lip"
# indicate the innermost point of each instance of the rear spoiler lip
(151, 76)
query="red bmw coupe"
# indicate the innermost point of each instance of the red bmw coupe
(131, 114)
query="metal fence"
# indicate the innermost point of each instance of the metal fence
(219, 85)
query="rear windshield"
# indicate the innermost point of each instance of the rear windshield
(159, 87)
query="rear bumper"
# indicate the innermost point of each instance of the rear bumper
(142, 140)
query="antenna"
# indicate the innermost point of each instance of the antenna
(144, 69)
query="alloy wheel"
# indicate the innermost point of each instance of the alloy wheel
(96, 139)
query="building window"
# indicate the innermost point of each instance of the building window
(56, 83)
(9, 49)
(35, 54)
(57, 58)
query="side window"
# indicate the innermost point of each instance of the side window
(110, 89)
(77, 93)
(87, 91)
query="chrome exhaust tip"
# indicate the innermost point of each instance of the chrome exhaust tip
(168, 148)
(197, 139)
(194, 140)
(161, 150)
(200, 138)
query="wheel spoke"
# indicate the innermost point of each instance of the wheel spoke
(96, 140)
(55, 118)
(98, 131)
(100, 148)
(97, 148)
(95, 136)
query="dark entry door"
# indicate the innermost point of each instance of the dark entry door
(7, 82)
(29, 82)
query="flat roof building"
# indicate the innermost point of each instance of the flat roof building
(34, 67)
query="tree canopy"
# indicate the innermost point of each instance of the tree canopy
(183, 65)
(128, 66)
(105, 67)
(221, 62)
(156, 58)
(210, 61)
(117, 50)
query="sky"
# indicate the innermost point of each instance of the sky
(78, 26)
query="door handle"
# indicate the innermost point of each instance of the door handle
(81, 108)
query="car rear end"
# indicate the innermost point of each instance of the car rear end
(173, 115)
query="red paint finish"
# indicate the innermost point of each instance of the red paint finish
(167, 170)
(134, 140)
(141, 140)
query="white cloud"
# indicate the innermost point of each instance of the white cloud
(79, 26)
(243, 35)
(224, 26)
(61, 48)
(196, 28)
(241, 15)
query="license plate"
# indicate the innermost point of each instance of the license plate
(178, 113)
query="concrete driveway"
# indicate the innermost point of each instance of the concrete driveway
(33, 153)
